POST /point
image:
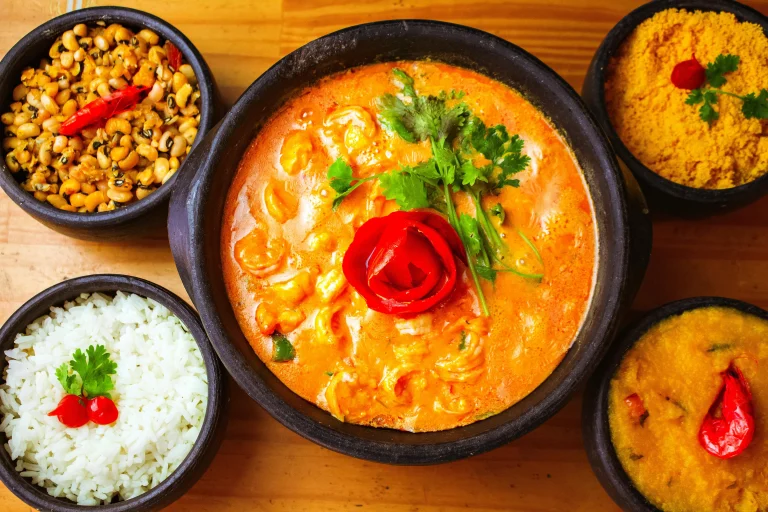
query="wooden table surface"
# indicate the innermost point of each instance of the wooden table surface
(263, 466)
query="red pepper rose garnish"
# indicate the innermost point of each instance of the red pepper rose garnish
(689, 74)
(405, 262)
(729, 425)
(101, 109)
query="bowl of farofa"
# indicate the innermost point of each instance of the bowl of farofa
(110, 67)
(665, 378)
(165, 412)
(685, 164)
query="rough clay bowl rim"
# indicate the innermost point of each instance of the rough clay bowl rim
(396, 447)
(214, 423)
(709, 200)
(24, 54)
(596, 431)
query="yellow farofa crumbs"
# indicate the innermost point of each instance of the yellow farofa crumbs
(660, 129)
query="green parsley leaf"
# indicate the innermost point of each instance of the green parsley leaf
(723, 64)
(72, 383)
(471, 231)
(491, 146)
(282, 349)
(499, 212)
(512, 163)
(495, 144)
(708, 114)
(340, 174)
(396, 116)
(436, 198)
(710, 97)
(341, 180)
(426, 170)
(94, 368)
(756, 106)
(486, 273)
(471, 174)
(463, 341)
(423, 117)
(445, 160)
(406, 189)
(695, 97)
(330, 374)
(406, 81)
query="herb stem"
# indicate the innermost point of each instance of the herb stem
(518, 273)
(454, 220)
(358, 182)
(531, 245)
(733, 95)
(497, 243)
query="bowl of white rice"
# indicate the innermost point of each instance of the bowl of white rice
(168, 387)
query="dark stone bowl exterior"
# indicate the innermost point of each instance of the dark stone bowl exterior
(213, 428)
(595, 428)
(197, 204)
(134, 219)
(663, 194)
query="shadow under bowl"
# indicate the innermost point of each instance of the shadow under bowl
(211, 432)
(134, 218)
(595, 428)
(664, 194)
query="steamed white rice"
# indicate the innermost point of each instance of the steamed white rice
(161, 392)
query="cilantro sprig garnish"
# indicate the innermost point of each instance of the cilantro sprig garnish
(423, 117)
(754, 105)
(466, 157)
(90, 375)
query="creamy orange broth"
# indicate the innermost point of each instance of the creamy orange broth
(282, 248)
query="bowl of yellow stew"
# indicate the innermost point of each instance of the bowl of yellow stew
(681, 89)
(409, 241)
(674, 420)
(99, 109)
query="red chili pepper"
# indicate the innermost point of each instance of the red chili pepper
(729, 425)
(102, 410)
(71, 411)
(405, 262)
(689, 74)
(174, 55)
(636, 407)
(102, 109)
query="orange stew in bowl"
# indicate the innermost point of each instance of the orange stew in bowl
(409, 245)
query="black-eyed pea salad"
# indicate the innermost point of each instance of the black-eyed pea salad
(102, 122)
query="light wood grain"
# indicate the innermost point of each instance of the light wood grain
(263, 466)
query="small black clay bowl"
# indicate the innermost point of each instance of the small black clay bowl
(211, 431)
(133, 218)
(662, 193)
(197, 205)
(595, 428)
